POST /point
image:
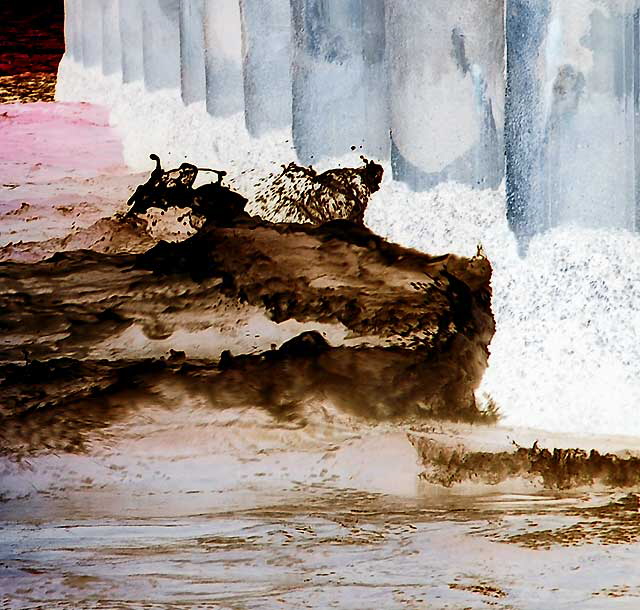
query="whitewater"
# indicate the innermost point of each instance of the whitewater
(565, 357)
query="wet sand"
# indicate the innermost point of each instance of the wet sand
(241, 515)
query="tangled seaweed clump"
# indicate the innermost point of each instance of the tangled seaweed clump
(558, 469)
(300, 194)
(174, 188)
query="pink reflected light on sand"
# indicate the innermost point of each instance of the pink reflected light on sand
(47, 141)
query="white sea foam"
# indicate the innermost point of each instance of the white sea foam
(566, 355)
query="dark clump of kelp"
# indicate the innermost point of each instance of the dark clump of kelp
(557, 469)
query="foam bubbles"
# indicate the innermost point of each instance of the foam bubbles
(566, 355)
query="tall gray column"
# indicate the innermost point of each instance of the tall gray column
(572, 114)
(192, 50)
(111, 45)
(161, 44)
(266, 50)
(92, 33)
(131, 40)
(340, 95)
(447, 91)
(223, 57)
(73, 29)
(77, 10)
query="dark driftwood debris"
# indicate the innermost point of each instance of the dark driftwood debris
(417, 326)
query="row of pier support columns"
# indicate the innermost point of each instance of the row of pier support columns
(421, 83)
(321, 67)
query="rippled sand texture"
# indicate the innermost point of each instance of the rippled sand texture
(188, 544)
